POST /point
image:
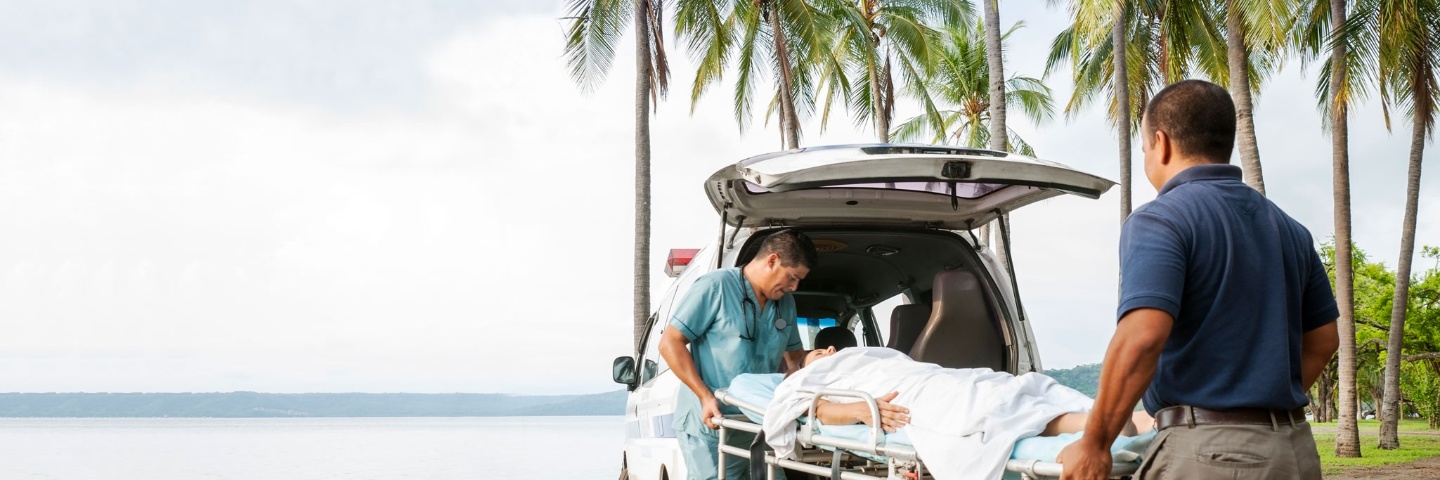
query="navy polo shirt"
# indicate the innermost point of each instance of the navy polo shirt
(1241, 279)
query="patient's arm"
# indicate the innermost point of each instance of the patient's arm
(892, 416)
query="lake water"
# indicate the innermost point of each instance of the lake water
(311, 448)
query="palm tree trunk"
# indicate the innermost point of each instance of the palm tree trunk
(879, 85)
(1122, 106)
(640, 308)
(1240, 90)
(998, 139)
(1390, 408)
(1347, 440)
(789, 122)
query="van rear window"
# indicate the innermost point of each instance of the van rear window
(968, 190)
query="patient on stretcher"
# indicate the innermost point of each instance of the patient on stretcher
(894, 416)
(964, 423)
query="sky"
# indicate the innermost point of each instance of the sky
(389, 196)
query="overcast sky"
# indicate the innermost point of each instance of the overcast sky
(388, 196)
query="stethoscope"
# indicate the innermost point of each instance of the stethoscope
(752, 319)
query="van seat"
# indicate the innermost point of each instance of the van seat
(906, 323)
(964, 326)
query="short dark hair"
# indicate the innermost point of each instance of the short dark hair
(1198, 116)
(793, 248)
(836, 336)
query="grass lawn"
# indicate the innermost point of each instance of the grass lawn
(1412, 447)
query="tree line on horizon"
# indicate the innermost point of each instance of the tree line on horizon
(805, 58)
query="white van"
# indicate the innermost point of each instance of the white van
(894, 226)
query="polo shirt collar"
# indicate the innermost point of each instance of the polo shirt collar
(1203, 172)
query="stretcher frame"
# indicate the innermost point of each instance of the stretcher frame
(901, 461)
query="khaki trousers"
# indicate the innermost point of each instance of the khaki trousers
(1232, 452)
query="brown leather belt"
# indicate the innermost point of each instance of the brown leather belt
(1187, 416)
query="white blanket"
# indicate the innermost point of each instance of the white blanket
(963, 422)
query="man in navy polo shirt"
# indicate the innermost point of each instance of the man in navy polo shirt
(1226, 314)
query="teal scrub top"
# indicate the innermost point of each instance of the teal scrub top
(729, 335)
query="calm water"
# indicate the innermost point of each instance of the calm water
(312, 448)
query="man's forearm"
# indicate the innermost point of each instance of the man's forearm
(1316, 348)
(672, 349)
(794, 360)
(1126, 372)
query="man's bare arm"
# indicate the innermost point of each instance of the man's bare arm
(1125, 374)
(672, 349)
(793, 361)
(1316, 348)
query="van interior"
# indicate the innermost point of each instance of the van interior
(952, 314)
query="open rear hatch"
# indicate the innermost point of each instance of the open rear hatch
(920, 185)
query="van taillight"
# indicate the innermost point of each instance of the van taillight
(677, 261)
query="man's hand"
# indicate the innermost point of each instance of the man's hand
(1085, 460)
(709, 409)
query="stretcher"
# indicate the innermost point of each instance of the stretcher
(876, 456)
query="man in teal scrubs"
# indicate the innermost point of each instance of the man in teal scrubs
(734, 320)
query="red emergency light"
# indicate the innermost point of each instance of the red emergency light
(677, 261)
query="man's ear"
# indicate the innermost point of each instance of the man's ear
(830, 349)
(1162, 142)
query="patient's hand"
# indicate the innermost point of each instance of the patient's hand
(892, 416)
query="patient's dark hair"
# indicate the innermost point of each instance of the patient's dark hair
(794, 249)
(837, 337)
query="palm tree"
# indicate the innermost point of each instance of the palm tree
(596, 26)
(1256, 33)
(1089, 45)
(1322, 29)
(1121, 88)
(788, 36)
(1401, 40)
(960, 80)
(873, 39)
(994, 59)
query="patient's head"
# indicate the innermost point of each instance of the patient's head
(817, 354)
(835, 336)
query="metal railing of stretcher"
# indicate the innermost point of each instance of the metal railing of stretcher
(901, 461)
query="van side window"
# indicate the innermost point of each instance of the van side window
(651, 363)
(881, 312)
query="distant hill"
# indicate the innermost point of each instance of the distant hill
(1085, 378)
(254, 405)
